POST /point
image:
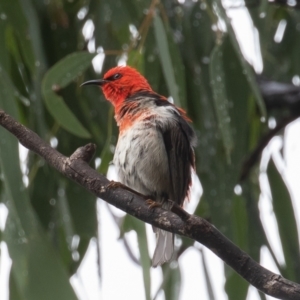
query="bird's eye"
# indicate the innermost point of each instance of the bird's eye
(116, 76)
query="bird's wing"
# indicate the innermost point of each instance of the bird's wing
(178, 138)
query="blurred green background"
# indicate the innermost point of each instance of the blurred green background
(187, 50)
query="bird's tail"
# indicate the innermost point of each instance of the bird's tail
(164, 247)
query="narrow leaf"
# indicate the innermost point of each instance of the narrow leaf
(58, 77)
(207, 278)
(66, 70)
(4, 54)
(220, 98)
(172, 282)
(248, 71)
(136, 60)
(283, 209)
(64, 116)
(240, 222)
(236, 287)
(165, 57)
(131, 223)
(106, 154)
(33, 256)
(14, 13)
(178, 66)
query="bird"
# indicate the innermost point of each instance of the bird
(154, 154)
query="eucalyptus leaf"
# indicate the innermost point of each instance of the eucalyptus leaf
(66, 70)
(172, 281)
(106, 154)
(131, 223)
(248, 71)
(165, 58)
(217, 76)
(210, 290)
(15, 15)
(58, 77)
(285, 216)
(63, 115)
(29, 247)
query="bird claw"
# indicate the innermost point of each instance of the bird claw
(116, 184)
(152, 204)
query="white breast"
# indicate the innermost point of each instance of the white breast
(141, 159)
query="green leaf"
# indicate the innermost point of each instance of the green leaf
(66, 70)
(220, 99)
(284, 212)
(153, 71)
(165, 57)
(14, 292)
(136, 60)
(83, 218)
(172, 281)
(240, 222)
(236, 286)
(179, 69)
(4, 54)
(106, 154)
(14, 13)
(34, 31)
(38, 272)
(248, 71)
(207, 277)
(64, 116)
(136, 9)
(68, 215)
(58, 77)
(131, 223)
(252, 222)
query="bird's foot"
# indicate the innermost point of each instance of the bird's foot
(178, 210)
(152, 204)
(117, 184)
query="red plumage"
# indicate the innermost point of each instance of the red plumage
(154, 154)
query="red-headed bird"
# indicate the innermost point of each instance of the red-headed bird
(154, 154)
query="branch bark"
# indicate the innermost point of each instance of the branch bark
(177, 220)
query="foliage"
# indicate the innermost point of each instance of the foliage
(186, 50)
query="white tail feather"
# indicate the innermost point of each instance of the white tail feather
(164, 247)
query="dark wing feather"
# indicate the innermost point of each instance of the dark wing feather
(179, 138)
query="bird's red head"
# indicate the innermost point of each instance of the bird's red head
(119, 83)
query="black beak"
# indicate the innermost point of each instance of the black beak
(99, 82)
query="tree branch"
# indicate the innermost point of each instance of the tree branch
(177, 221)
(277, 96)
